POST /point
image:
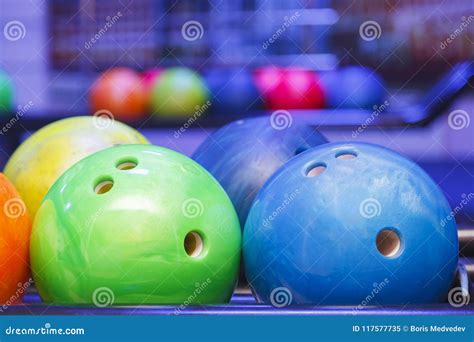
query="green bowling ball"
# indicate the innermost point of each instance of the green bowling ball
(179, 92)
(136, 224)
(6, 93)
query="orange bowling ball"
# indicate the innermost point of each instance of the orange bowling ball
(15, 229)
(120, 91)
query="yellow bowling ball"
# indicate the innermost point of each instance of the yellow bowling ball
(39, 161)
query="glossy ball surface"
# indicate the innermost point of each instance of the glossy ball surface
(244, 154)
(15, 228)
(341, 223)
(136, 224)
(39, 161)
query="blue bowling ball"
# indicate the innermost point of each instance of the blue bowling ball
(243, 154)
(350, 223)
(353, 87)
(233, 91)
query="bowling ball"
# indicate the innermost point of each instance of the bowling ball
(354, 87)
(343, 222)
(178, 92)
(136, 224)
(233, 91)
(286, 88)
(120, 91)
(14, 244)
(6, 93)
(244, 153)
(45, 155)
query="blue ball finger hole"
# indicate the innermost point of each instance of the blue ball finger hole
(316, 170)
(346, 155)
(388, 243)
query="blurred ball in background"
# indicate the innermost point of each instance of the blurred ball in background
(6, 92)
(232, 90)
(178, 91)
(289, 88)
(354, 87)
(120, 91)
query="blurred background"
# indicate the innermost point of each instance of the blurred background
(393, 72)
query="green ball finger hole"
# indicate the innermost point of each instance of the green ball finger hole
(193, 244)
(127, 164)
(103, 187)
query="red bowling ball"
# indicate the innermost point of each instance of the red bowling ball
(289, 88)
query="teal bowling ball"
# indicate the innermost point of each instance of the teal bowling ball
(350, 223)
(6, 93)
